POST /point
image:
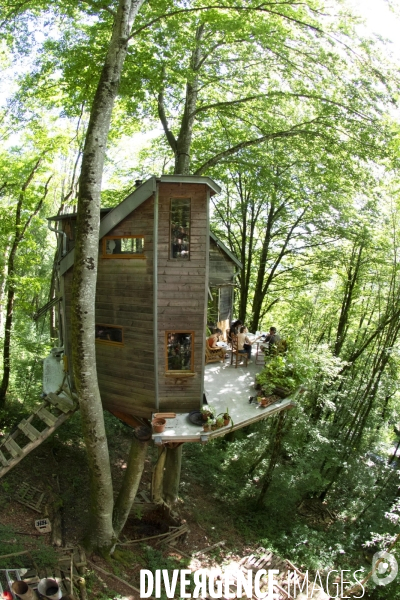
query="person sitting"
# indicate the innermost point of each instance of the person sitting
(244, 344)
(234, 329)
(212, 343)
(271, 340)
(214, 338)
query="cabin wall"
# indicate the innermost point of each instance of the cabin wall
(221, 268)
(181, 299)
(124, 298)
(221, 276)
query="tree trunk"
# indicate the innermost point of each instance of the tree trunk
(130, 484)
(352, 278)
(182, 144)
(274, 459)
(101, 535)
(158, 476)
(172, 474)
(19, 233)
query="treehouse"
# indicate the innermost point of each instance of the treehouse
(158, 267)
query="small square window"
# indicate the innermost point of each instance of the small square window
(109, 334)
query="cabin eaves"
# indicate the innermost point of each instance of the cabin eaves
(135, 199)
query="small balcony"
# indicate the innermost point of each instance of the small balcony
(226, 389)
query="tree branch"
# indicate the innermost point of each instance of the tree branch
(222, 7)
(235, 149)
(163, 118)
(101, 7)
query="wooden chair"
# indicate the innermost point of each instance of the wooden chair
(238, 355)
(217, 355)
(260, 355)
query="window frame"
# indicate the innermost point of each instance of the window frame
(121, 237)
(110, 342)
(171, 200)
(180, 372)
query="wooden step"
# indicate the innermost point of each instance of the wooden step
(46, 416)
(18, 453)
(3, 460)
(63, 404)
(13, 448)
(29, 430)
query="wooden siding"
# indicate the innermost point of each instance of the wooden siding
(125, 297)
(182, 286)
(221, 266)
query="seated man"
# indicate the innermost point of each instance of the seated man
(270, 340)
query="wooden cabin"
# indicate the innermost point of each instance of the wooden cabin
(158, 266)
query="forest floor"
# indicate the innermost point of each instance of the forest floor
(59, 467)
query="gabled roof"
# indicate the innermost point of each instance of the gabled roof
(226, 250)
(131, 202)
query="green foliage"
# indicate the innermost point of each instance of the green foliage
(154, 559)
(11, 542)
(297, 367)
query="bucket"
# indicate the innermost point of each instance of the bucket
(158, 425)
(22, 590)
(49, 588)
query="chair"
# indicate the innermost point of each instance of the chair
(277, 349)
(260, 355)
(235, 352)
(217, 355)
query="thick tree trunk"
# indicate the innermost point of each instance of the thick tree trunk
(101, 534)
(158, 476)
(172, 474)
(130, 483)
(182, 144)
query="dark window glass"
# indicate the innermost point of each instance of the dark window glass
(123, 247)
(180, 228)
(179, 351)
(108, 333)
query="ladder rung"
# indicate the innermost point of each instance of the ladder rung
(3, 460)
(46, 416)
(13, 448)
(29, 430)
(63, 404)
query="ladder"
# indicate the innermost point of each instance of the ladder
(53, 412)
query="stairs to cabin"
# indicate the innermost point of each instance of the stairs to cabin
(30, 433)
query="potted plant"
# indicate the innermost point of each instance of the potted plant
(207, 425)
(219, 422)
(207, 412)
(158, 425)
(226, 417)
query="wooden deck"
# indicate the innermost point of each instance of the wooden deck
(225, 388)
